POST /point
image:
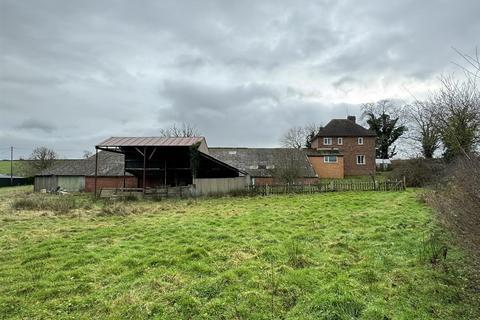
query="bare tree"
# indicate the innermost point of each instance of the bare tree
(472, 69)
(300, 137)
(42, 158)
(288, 165)
(422, 127)
(456, 111)
(87, 154)
(294, 138)
(311, 131)
(180, 131)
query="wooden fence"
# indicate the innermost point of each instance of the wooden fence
(332, 186)
(161, 192)
(191, 191)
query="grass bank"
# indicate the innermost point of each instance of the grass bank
(326, 256)
(18, 167)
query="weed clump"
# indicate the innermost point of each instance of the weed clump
(434, 250)
(114, 209)
(61, 204)
(130, 198)
(296, 256)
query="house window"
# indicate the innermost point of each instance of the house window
(360, 140)
(340, 141)
(327, 141)
(330, 159)
(360, 159)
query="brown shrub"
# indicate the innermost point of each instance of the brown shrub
(418, 172)
(457, 200)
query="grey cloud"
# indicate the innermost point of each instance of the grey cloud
(192, 96)
(243, 71)
(257, 114)
(36, 124)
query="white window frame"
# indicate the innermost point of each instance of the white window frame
(325, 159)
(340, 141)
(360, 140)
(327, 141)
(364, 160)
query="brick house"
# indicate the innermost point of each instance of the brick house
(343, 148)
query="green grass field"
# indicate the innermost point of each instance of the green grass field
(5, 167)
(327, 256)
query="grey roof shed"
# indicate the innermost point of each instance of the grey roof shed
(259, 162)
(109, 164)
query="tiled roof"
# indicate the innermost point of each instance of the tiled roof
(109, 164)
(344, 128)
(259, 162)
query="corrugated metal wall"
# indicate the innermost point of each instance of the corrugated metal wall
(72, 183)
(45, 182)
(68, 183)
(220, 185)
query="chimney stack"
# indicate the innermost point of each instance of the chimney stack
(352, 118)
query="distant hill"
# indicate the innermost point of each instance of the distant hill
(20, 167)
(5, 167)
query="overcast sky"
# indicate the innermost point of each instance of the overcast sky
(75, 72)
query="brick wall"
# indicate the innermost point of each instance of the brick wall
(350, 149)
(109, 182)
(327, 170)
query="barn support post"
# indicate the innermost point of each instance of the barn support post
(165, 176)
(124, 184)
(96, 172)
(144, 166)
(11, 166)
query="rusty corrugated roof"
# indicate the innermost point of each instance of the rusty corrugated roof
(149, 141)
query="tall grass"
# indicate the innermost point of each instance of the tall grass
(58, 204)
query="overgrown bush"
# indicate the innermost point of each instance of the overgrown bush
(130, 198)
(241, 193)
(59, 204)
(458, 200)
(114, 208)
(418, 172)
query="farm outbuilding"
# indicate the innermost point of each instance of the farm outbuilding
(159, 162)
(264, 165)
(78, 175)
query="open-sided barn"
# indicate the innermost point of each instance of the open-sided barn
(160, 161)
